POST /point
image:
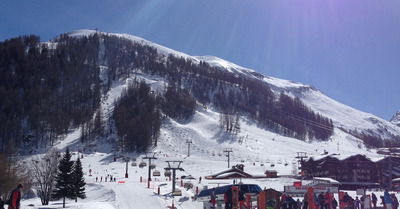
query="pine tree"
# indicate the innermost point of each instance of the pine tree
(79, 181)
(64, 181)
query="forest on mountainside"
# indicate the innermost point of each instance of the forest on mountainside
(48, 88)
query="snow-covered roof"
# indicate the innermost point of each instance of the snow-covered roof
(324, 179)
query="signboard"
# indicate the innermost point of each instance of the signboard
(360, 192)
(304, 189)
(297, 184)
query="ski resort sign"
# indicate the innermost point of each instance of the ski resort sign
(304, 189)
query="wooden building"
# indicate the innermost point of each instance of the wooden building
(355, 171)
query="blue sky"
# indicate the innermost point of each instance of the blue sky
(348, 49)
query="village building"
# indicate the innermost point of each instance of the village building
(355, 171)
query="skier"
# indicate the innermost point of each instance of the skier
(15, 198)
(96, 178)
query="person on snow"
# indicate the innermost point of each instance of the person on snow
(283, 201)
(241, 199)
(387, 199)
(213, 196)
(1, 203)
(321, 201)
(357, 203)
(395, 202)
(298, 204)
(367, 202)
(374, 200)
(15, 198)
(228, 198)
(290, 202)
(346, 199)
(328, 200)
(305, 201)
(334, 203)
(209, 205)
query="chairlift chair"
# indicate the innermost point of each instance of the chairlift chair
(156, 173)
(152, 166)
(142, 164)
(167, 173)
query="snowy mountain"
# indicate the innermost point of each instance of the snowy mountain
(354, 122)
(396, 118)
(255, 147)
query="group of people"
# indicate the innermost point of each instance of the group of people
(108, 176)
(228, 199)
(389, 201)
(287, 202)
(322, 201)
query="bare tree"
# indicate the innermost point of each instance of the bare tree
(12, 172)
(43, 173)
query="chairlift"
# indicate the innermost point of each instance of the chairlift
(188, 185)
(142, 164)
(134, 164)
(156, 173)
(152, 166)
(167, 173)
(177, 192)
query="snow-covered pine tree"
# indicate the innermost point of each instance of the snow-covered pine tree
(64, 181)
(79, 181)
